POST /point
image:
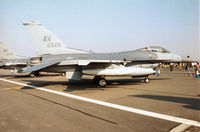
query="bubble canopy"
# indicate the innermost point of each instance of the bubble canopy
(156, 49)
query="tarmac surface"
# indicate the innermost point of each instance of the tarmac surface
(27, 109)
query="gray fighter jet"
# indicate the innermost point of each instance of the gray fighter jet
(9, 60)
(56, 57)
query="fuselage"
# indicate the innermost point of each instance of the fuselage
(131, 56)
(14, 64)
(128, 55)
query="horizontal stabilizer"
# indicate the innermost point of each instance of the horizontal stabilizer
(39, 67)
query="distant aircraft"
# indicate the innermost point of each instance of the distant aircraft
(9, 60)
(56, 57)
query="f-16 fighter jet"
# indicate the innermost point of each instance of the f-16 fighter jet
(9, 60)
(56, 57)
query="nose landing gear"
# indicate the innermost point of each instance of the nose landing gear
(146, 80)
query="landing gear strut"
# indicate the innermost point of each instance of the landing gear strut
(100, 81)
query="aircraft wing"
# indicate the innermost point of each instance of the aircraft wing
(40, 66)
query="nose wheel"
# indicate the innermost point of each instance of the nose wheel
(146, 80)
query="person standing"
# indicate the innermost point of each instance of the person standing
(171, 67)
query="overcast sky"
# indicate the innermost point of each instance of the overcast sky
(105, 25)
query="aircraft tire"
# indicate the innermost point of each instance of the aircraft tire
(36, 74)
(102, 82)
(146, 80)
(63, 74)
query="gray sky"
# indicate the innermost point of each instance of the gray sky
(105, 25)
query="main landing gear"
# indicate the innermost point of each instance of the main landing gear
(100, 81)
(35, 74)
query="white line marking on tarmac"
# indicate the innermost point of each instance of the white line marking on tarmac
(180, 128)
(116, 106)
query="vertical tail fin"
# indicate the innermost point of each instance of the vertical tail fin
(46, 42)
(6, 53)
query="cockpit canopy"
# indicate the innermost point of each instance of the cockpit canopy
(156, 49)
